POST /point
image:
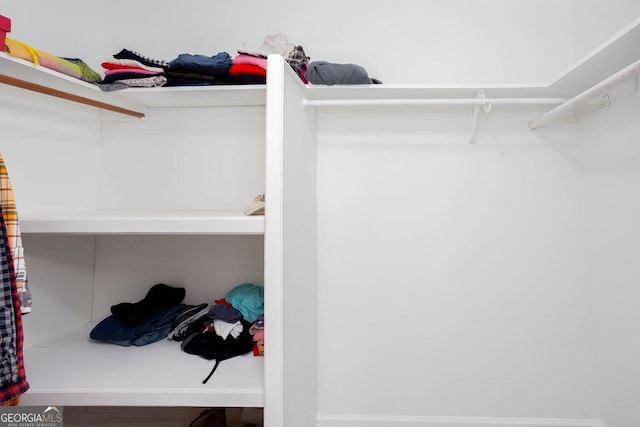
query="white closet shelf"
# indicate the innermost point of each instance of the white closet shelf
(143, 222)
(134, 100)
(70, 371)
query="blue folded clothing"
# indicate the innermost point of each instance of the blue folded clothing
(152, 329)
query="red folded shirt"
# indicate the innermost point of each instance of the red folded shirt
(247, 69)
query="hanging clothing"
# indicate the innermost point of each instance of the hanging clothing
(10, 213)
(13, 379)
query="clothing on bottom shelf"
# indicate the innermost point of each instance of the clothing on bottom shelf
(159, 298)
(248, 299)
(144, 322)
(212, 346)
(257, 332)
(225, 329)
(152, 329)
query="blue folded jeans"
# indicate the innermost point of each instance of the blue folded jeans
(153, 329)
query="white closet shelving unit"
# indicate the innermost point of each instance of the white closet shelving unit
(75, 250)
(71, 370)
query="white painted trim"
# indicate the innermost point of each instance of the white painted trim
(274, 249)
(325, 420)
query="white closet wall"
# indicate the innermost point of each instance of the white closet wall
(594, 22)
(451, 275)
(443, 42)
(612, 174)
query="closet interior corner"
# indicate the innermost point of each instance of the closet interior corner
(364, 186)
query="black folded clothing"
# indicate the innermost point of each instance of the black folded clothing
(160, 297)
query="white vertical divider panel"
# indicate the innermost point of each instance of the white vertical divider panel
(290, 252)
(273, 246)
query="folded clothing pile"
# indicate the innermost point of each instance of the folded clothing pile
(144, 322)
(330, 73)
(72, 67)
(250, 65)
(196, 70)
(225, 329)
(131, 69)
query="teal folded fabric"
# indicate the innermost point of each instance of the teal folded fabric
(248, 299)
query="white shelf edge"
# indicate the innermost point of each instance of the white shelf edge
(144, 222)
(157, 374)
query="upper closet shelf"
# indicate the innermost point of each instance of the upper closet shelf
(129, 222)
(132, 102)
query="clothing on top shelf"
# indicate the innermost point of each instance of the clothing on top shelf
(129, 64)
(328, 73)
(150, 62)
(247, 69)
(73, 67)
(278, 44)
(190, 69)
(252, 60)
(130, 69)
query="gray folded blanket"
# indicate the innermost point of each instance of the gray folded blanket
(327, 73)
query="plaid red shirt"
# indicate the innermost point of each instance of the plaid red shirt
(8, 205)
(13, 379)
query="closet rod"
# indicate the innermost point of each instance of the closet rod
(596, 91)
(432, 101)
(65, 95)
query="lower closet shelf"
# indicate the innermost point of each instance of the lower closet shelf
(74, 370)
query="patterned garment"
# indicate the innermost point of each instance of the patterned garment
(297, 59)
(129, 54)
(13, 379)
(153, 81)
(8, 206)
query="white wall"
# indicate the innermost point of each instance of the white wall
(410, 41)
(595, 21)
(451, 275)
(612, 169)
